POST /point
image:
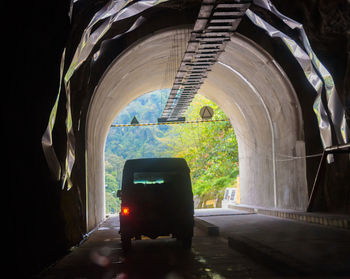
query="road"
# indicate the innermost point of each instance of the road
(100, 256)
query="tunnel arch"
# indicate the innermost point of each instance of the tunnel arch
(250, 87)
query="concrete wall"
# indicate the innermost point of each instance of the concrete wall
(266, 115)
(249, 86)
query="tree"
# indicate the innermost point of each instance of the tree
(209, 148)
(133, 142)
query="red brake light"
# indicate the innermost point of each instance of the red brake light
(125, 211)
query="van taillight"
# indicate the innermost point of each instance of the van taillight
(125, 211)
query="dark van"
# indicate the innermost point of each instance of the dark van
(156, 200)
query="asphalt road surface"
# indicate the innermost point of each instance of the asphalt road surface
(249, 246)
(100, 256)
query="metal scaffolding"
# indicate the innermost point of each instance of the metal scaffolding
(217, 21)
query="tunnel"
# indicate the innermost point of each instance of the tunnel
(268, 138)
(256, 82)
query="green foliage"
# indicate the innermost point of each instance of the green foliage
(133, 142)
(139, 142)
(209, 148)
(113, 165)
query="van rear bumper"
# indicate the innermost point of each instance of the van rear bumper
(153, 228)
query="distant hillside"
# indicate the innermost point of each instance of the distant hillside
(134, 142)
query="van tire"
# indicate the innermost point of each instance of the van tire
(187, 242)
(126, 243)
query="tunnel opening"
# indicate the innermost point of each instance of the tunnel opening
(208, 145)
(246, 83)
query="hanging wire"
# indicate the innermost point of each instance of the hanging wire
(267, 152)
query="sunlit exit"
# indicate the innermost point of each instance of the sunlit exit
(210, 148)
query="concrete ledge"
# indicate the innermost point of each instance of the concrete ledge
(331, 220)
(209, 228)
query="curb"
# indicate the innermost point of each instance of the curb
(209, 228)
(337, 221)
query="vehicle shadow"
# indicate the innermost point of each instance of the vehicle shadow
(161, 258)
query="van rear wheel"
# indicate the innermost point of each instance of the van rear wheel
(187, 242)
(126, 243)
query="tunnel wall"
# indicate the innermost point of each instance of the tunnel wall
(326, 24)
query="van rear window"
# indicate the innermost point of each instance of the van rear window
(151, 177)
